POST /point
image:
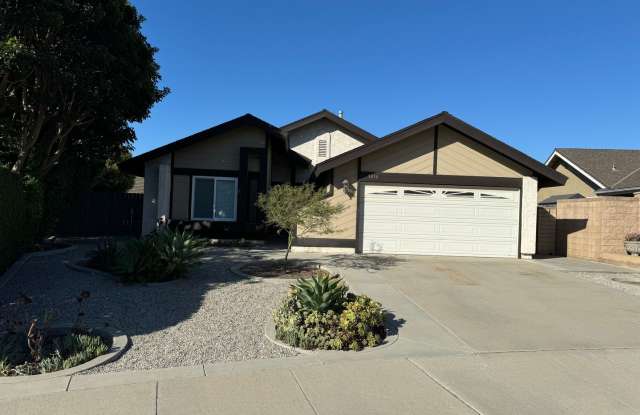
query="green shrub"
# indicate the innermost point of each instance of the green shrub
(321, 293)
(59, 353)
(160, 256)
(362, 323)
(21, 207)
(104, 256)
(52, 363)
(138, 261)
(355, 323)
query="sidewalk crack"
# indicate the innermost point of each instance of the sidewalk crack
(306, 397)
(451, 392)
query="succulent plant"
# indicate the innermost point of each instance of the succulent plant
(321, 293)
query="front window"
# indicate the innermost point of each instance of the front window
(214, 198)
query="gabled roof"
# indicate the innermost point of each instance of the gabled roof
(135, 165)
(546, 175)
(363, 135)
(608, 169)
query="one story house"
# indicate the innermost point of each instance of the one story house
(593, 172)
(437, 187)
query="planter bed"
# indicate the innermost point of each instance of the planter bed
(275, 269)
(212, 316)
(71, 358)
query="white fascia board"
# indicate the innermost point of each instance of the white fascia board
(575, 166)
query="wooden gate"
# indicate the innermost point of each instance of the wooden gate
(103, 214)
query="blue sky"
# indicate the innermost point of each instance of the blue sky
(535, 74)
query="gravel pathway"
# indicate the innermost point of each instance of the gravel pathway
(211, 316)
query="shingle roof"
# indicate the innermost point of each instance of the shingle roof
(616, 169)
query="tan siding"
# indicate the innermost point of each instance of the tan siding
(574, 184)
(304, 140)
(460, 156)
(180, 204)
(345, 222)
(138, 185)
(221, 152)
(412, 155)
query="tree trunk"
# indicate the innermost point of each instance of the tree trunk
(286, 255)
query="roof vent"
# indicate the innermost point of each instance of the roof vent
(340, 114)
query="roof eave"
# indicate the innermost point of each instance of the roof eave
(557, 154)
(613, 192)
(350, 127)
(547, 176)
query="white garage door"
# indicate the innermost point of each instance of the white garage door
(440, 221)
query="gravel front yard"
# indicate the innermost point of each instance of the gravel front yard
(211, 316)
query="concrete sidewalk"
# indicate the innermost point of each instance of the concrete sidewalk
(567, 382)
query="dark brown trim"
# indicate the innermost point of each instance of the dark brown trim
(546, 174)
(171, 189)
(444, 180)
(325, 242)
(190, 195)
(206, 172)
(361, 134)
(435, 149)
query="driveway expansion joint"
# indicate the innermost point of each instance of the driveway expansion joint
(306, 397)
(447, 389)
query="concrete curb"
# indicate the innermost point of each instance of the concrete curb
(270, 334)
(270, 329)
(120, 343)
(87, 270)
(236, 271)
(76, 267)
(17, 266)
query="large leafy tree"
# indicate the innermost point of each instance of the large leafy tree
(73, 75)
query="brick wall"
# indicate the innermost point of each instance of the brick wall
(589, 228)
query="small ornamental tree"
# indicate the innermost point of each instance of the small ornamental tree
(298, 211)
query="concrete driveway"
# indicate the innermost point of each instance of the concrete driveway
(509, 305)
(514, 336)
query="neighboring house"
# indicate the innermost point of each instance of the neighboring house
(437, 187)
(593, 172)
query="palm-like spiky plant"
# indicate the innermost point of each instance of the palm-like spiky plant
(179, 251)
(321, 293)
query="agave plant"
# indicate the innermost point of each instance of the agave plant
(178, 251)
(321, 293)
(137, 260)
